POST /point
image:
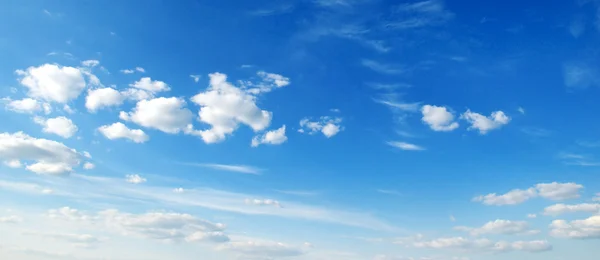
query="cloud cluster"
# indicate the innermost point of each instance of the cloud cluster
(577, 229)
(273, 137)
(552, 191)
(328, 126)
(500, 226)
(485, 124)
(118, 130)
(46, 156)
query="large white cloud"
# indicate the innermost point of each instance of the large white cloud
(552, 191)
(53, 83)
(485, 124)
(500, 226)
(438, 118)
(224, 107)
(119, 130)
(60, 126)
(273, 137)
(328, 126)
(165, 114)
(578, 229)
(48, 157)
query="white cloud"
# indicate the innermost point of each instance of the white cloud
(165, 114)
(559, 191)
(552, 191)
(119, 130)
(52, 83)
(178, 190)
(13, 164)
(531, 216)
(153, 86)
(60, 126)
(135, 179)
(512, 197)
(484, 244)
(580, 75)
(131, 71)
(140, 69)
(558, 209)
(421, 14)
(267, 202)
(399, 106)
(68, 214)
(597, 197)
(405, 146)
(196, 78)
(273, 137)
(521, 110)
(11, 219)
(578, 229)
(263, 250)
(103, 97)
(228, 167)
(49, 157)
(382, 67)
(26, 105)
(88, 166)
(90, 63)
(499, 226)
(86, 154)
(328, 126)
(224, 107)
(78, 240)
(485, 124)
(438, 118)
(67, 109)
(269, 82)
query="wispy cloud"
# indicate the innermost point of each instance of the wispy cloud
(302, 193)
(418, 15)
(227, 167)
(389, 192)
(408, 107)
(383, 67)
(274, 10)
(580, 75)
(405, 146)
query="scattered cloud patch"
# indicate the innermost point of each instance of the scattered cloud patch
(559, 209)
(103, 97)
(88, 166)
(553, 191)
(383, 68)
(485, 124)
(60, 126)
(196, 78)
(262, 250)
(90, 63)
(13, 164)
(267, 202)
(135, 179)
(484, 244)
(328, 126)
(228, 167)
(417, 15)
(500, 226)
(577, 229)
(119, 130)
(438, 118)
(152, 86)
(131, 71)
(580, 75)
(274, 137)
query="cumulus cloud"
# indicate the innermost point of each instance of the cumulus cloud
(60, 126)
(273, 137)
(405, 146)
(577, 229)
(552, 191)
(135, 179)
(90, 63)
(103, 97)
(438, 118)
(119, 130)
(224, 107)
(53, 83)
(152, 86)
(269, 82)
(165, 114)
(328, 126)
(485, 124)
(48, 157)
(500, 226)
(27, 106)
(559, 209)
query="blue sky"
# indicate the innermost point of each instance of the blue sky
(306, 129)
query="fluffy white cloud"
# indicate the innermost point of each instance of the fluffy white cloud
(119, 130)
(559, 191)
(27, 105)
(53, 83)
(328, 126)
(558, 209)
(165, 114)
(224, 107)
(552, 191)
(88, 166)
(49, 157)
(269, 82)
(263, 250)
(135, 179)
(578, 229)
(500, 226)
(13, 164)
(153, 86)
(60, 126)
(405, 146)
(438, 118)
(484, 245)
(103, 97)
(90, 63)
(131, 71)
(273, 137)
(267, 202)
(485, 124)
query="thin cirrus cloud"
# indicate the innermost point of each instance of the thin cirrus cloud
(405, 146)
(227, 167)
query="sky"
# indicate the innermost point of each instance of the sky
(300, 129)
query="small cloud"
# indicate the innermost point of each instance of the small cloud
(405, 146)
(382, 67)
(246, 66)
(273, 137)
(485, 124)
(88, 166)
(227, 167)
(275, 10)
(178, 190)
(580, 75)
(328, 126)
(196, 78)
(267, 202)
(521, 110)
(531, 216)
(577, 27)
(452, 218)
(135, 179)
(389, 192)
